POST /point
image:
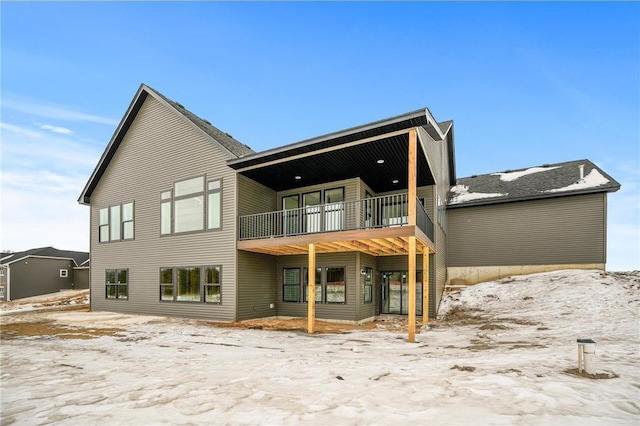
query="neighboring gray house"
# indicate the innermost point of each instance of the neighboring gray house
(531, 220)
(187, 221)
(42, 271)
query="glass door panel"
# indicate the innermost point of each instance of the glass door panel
(334, 209)
(311, 204)
(290, 221)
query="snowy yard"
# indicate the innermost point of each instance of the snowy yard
(503, 352)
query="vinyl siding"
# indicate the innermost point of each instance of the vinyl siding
(346, 311)
(254, 197)
(256, 285)
(160, 148)
(564, 230)
(33, 276)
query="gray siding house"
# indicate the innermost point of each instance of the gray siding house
(187, 221)
(42, 271)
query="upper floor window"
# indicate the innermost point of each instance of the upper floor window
(116, 223)
(186, 209)
(64, 273)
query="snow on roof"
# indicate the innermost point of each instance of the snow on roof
(511, 176)
(592, 180)
(463, 195)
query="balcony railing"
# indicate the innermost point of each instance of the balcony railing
(376, 212)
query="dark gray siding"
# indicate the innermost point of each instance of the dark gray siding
(563, 230)
(256, 285)
(81, 278)
(346, 311)
(161, 147)
(33, 276)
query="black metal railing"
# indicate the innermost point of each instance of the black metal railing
(375, 212)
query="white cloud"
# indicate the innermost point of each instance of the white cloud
(18, 131)
(56, 129)
(42, 109)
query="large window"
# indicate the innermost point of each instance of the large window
(185, 208)
(115, 223)
(191, 284)
(330, 285)
(117, 284)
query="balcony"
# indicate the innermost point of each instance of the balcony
(367, 214)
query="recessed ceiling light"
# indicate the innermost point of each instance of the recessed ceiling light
(395, 181)
(298, 177)
(380, 161)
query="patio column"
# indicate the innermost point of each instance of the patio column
(311, 289)
(425, 286)
(413, 147)
(412, 290)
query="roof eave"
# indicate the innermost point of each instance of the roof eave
(118, 135)
(429, 120)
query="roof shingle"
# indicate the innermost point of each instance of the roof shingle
(549, 180)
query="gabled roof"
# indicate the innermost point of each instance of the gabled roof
(78, 257)
(222, 140)
(549, 180)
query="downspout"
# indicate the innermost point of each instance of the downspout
(8, 283)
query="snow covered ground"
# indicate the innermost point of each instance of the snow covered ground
(502, 352)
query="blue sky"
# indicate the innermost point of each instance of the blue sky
(525, 83)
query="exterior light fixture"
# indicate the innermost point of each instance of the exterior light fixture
(380, 161)
(395, 181)
(298, 177)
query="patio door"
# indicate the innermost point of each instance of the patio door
(290, 215)
(395, 293)
(334, 209)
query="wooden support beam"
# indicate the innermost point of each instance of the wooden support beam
(311, 289)
(413, 162)
(425, 285)
(412, 290)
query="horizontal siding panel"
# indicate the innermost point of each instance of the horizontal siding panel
(256, 285)
(159, 149)
(564, 230)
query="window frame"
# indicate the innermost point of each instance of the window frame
(64, 273)
(111, 225)
(169, 201)
(185, 197)
(297, 285)
(202, 284)
(344, 285)
(117, 284)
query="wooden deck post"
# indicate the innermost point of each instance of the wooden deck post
(412, 290)
(425, 286)
(311, 289)
(413, 148)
